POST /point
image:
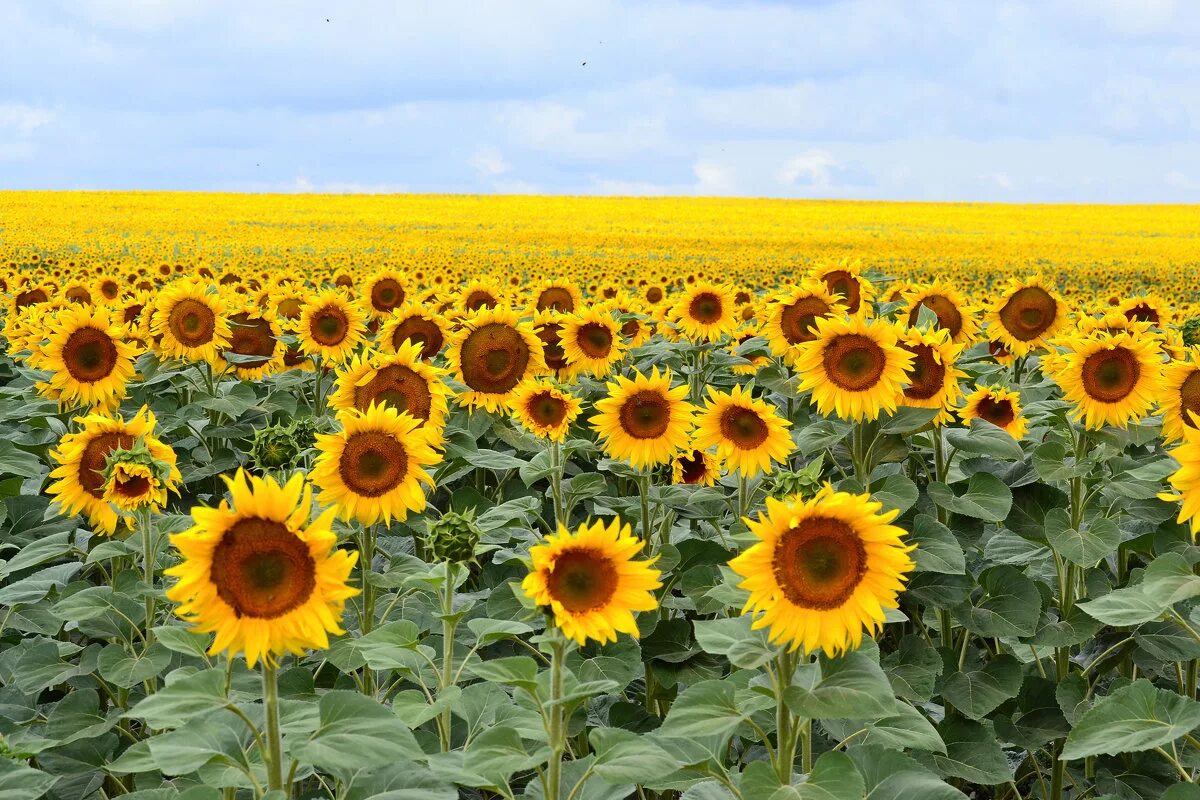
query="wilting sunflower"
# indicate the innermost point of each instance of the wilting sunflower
(591, 342)
(88, 358)
(385, 291)
(412, 323)
(1148, 308)
(695, 467)
(747, 433)
(544, 409)
(705, 312)
(189, 322)
(401, 380)
(996, 405)
(644, 421)
(374, 468)
(954, 314)
(330, 326)
(591, 582)
(1026, 315)
(847, 281)
(492, 354)
(854, 367)
(557, 295)
(1180, 397)
(792, 319)
(78, 485)
(134, 478)
(253, 344)
(933, 378)
(259, 574)
(823, 568)
(1111, 380)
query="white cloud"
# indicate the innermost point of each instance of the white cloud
(488, 162)
(713, 178)
(23, 120)
(810, 168)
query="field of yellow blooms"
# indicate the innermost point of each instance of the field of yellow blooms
(436, 497)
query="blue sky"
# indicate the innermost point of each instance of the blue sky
(1055, 100)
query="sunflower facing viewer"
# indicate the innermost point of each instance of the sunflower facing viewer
(854, 368)
(1111, 379)
(644, 421)
(748, 434)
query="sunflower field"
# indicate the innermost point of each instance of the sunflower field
(378, 498)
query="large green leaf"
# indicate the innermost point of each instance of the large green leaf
(976, 693)
(986, 498)
(711, 708)
(356, 732)
(850, 687)
(1137, 717)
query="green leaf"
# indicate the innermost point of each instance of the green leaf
(890, 775)
(198, 742)
(625, 757)
(14, 461)
(1083, 547)
(1050, 462)
(514, 671)
(37, 552)
(986, 498)
(356, 732)
(493, 630)
(1008, 607)
(733, 638)
(972, 753)
(897, 492)
(77, 716)
(834, 777)
(34, 587)
(906, 728)
(1128, 606)
(984, 438)
(118, 666)
(937, 548)
(978, 692)
(182, 699)
(1137, 717)
(711, 708)
(913, 668)
(850, 687)
(389, 646)
(23, 782)
(1170, 580)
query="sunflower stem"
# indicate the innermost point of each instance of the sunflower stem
(367, 620)
(274, 756)
(555, 722)
(743, 496)
(644, 494)
(786, 729)
(449, 624)
(145, 520)
(557, 469)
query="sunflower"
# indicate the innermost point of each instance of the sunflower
(330, 326)
(823, 568)
(373, 468)
(1026, 315)
(134, 478)
(854, 367)
(748, 434)
(1148, 308)
(401, 380)
(1111, 380)
(385, 292)
(933, 378)
(705, 312)
(544, 409)
(479, 295)
(260, 574)
(791, 320)
(254, 342)
(996, 405)
(411, 323)
(748, 331)
(953, 312)
(491, 355)
(77, 292)
(189, 322)
(107, 289)
(695, 467)
(558, 295)
(591, 582)
(79, 484)
(847, 280)
(644, 421)
(89, 359)
(591, 342)
(1180, 397)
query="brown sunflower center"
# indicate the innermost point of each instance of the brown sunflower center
(799, 319)
(133, 486)
(397, 386)
(479, 299)
(1189, 398)
(854, 362)
(110, 289)
(1142, 313)
(926, 375)
(424, 332)
(546, 410)
(31, 297)
(744, 427)
(262, 569)
(842, 282)
(948, 315)
(251, 336)
(645, 415)
(819, 563)
(552, 349)
(1110, 375)
(582, 580)
(1028, 313)
(692, 468)
(372, 463)
(78, 294)
(595, 340)
(289, 308)
(706, 308)
(557, 298)
(94, 458)
(997, 350)
(192, 323)
(89, 355)
(654, 294)
(494, 358)
(631, 329)
(329, 326)
(132, 312)
(998, 412)
(386, 294)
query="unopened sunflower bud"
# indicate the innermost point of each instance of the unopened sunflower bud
(453, 537)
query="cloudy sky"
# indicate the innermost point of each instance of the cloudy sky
(1049, 100)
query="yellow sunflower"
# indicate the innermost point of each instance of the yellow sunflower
(954, 313)
(259, 574)
(1186, 480)
(591, 581)
(385, 291)
(996, 405)
(933, 378)
(478, 295)
(644, 421)
(854, 367)
(134, 478)
(823, 568)
(88, 358)
(189, 322)
(544, 409)
(695, 467)
(1180, 397)
(748, 434)
(330, 326)
(400, 380)
(1147, 308)
(792, 318)
(374, 468)
(412, 323)
(491, 355)
(846, 279)
(254, 344)
(591, 342)
(558, 295)
(1111, 379)
(1026, 315)
(705, 312)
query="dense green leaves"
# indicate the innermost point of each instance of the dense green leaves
(1139, 716)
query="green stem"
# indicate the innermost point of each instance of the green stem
(557, 468)
(367, 621)
(145, 519)
(274, 756)
(449, 624)
(644, 494)
(555, 722)
(743, 496)
(787, 727)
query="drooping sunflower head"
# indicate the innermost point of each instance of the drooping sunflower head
(933, 378)
(997, 405)
(134, 478)
(375, 467)
(1110, 379)
(705, 312)
(400, 380)
(189, 322)
(854, 368)
(331, 326)
(954, 314)
(847, 281)
(591, 342)
(491, 355)
(644, 420)
(749, 435)
(823, 570)
(544, 409)
(411, 323)
(385, 291)
(259, 574)
(695, 467)
(792, 319)
(88, 357)
(1026, 315)
(590, 581)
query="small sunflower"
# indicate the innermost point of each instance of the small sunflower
(996, 405)
(1027, 314)
(823, 569)
(933, 378)
(478, 295)
(189, 322)
(134, 478)
(705, 312)
(854, 367)
(792, 319)
(1147, 308)
(644, 421)
(695, 467)
(847, 280)
(412, 323)
(374, 468)
(330, 326)
(954, 313)
(557, 295)
(400, 380)
(1180, 397)
(90, 361)
(254, 344)
(1186, 480)
(491, 355)
(385, 292)
(1111, 380)
(591, 581)
(591, 342)
(544, 409)
(748, 434)
(259, 574)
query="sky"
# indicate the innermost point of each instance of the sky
(984, 100)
